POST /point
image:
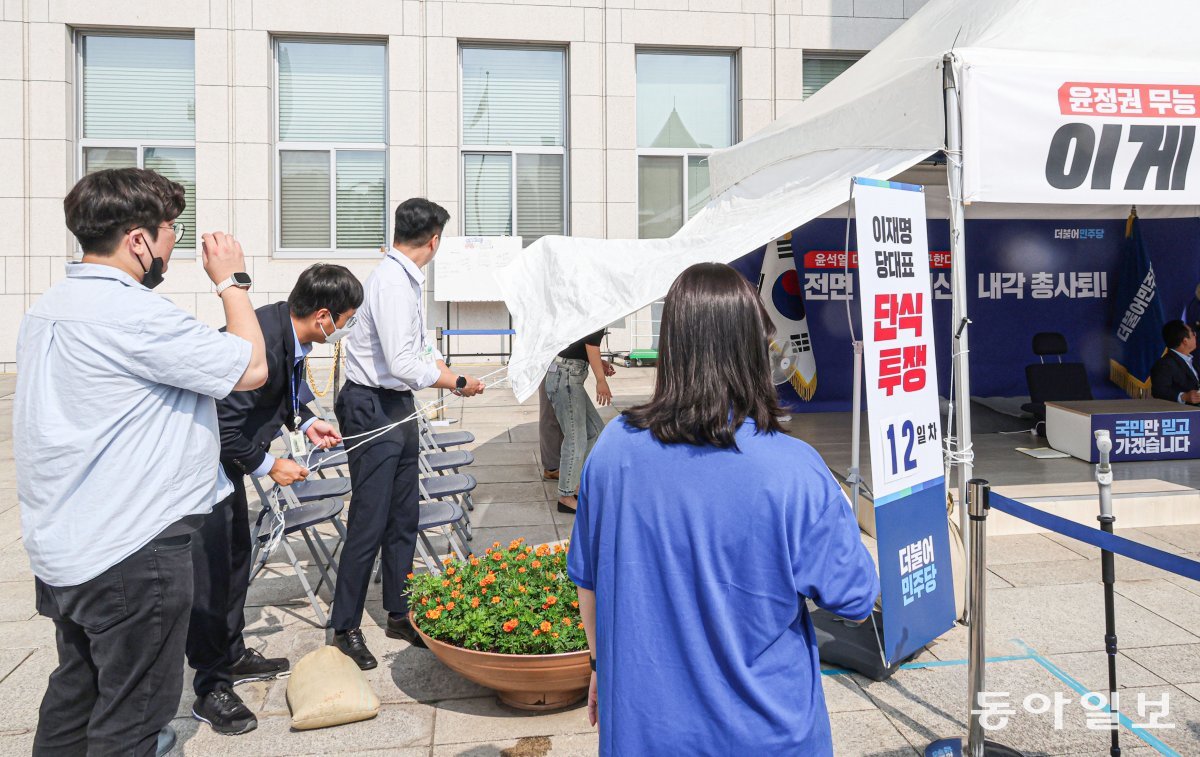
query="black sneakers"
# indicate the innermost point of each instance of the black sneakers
(353, 646)
(252, 666)
(225, 712)
(399, 627)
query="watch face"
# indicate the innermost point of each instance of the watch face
(241, 278)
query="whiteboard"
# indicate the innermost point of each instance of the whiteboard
(464, 269)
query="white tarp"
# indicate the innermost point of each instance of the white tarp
(1082, 131)
(880, 117)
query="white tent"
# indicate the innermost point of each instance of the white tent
(883, 115)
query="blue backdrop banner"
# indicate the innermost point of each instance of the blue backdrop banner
(1023, 277)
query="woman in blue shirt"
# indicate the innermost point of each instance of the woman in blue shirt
(702, 529)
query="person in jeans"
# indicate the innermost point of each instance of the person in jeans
(319, 309)
(702, 531)
(116, 446)
(577, 416)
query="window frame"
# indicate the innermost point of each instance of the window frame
(850, 56)
(683, 153)
(82, 143)
(512, 151)
(278, 146)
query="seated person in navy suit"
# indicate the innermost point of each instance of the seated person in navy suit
(1173, 377)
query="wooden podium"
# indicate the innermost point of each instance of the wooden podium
(1140, 429)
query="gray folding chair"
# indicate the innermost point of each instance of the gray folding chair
(283, 516)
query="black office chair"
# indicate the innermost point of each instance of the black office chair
(1053, 382)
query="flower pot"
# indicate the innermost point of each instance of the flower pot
(526, 682)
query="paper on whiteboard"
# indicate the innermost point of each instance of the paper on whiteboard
(465, 267)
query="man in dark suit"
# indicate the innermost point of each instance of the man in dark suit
(321, 309)
(1173, 377)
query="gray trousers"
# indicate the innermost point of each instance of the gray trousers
(550, 435)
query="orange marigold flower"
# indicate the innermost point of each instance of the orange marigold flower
(575, 603)
(474, 602)
(566, 621)
(458, 579)
(455, 594)
(558, 548)
(433, 614)
(514, 544)
(536, 632)
(495, 600)
(424, 600)
(503, 566)
(412, 575)
(552, 600)
(555, 634)
(474, 562)
(446, 561)
(536, 563)
(521, 569)
(580, 626)
(483, 590)
(449, 605)
(445, 583)
(449, 571)
(543, 550)
(497, 556)
(520, 557)
(522, 589)
(495, 545)
(509, 625)
(545, 626)
(528, 549)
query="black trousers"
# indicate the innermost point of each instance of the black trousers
(221, 575)
(120, 640)
(384, 505)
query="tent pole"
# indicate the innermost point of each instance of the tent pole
(961, 379)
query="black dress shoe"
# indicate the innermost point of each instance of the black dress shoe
(166, 741)
(353, 646)
(399, 627)
(225, 712)
(252, 666)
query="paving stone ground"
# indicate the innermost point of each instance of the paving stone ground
(1045, 635)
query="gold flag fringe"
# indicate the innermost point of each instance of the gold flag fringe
(806, 389)
(1134, 387)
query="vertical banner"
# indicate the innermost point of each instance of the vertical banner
(907, 476)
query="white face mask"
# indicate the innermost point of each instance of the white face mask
(338, 334)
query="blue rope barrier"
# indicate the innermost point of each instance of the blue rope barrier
(1116, 544)
(478, 332)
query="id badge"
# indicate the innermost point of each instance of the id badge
(297, 444)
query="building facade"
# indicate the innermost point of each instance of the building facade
(299, 125)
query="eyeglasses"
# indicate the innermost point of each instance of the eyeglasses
(177, 229)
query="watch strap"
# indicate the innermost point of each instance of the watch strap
(230, 282)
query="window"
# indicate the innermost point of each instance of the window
(821, 69)
(685, 110)
(138, 105)
(331, 140)
(513, 141)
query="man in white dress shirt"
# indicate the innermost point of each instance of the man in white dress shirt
(388, 357)
(116, 444)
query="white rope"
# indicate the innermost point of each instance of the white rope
(375, 433)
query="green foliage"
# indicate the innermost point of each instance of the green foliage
(513, 601)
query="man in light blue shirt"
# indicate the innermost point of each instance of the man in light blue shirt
(116, 445)
(388, 358)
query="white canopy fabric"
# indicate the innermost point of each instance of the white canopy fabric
(882, 116)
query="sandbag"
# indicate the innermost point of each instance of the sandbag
(327, 688)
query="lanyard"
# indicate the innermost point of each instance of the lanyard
(296, 394)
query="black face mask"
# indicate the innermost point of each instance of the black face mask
(154, 276)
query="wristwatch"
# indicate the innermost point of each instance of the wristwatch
(241, 280)
(460, 384)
